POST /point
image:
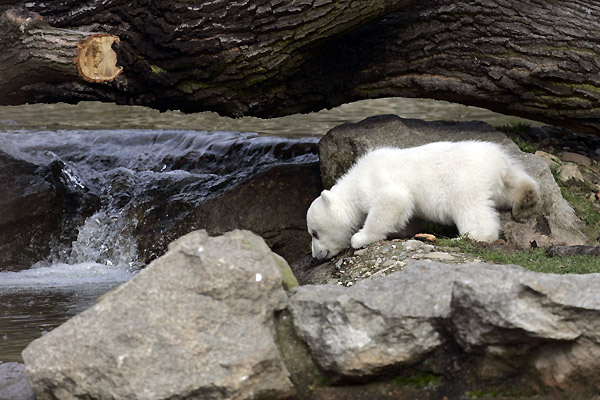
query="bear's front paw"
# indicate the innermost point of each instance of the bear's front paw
(362, 239)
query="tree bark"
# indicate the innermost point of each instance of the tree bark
(538, 59)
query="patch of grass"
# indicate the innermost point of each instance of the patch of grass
(526, 147)
(419, 379)
(578, 196)
(534, 259)
(514, 127)
(513, 130)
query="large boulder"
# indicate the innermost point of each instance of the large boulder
(489, 322)
(555, 224)
(37, 202)
(272, 204)
(196, 323)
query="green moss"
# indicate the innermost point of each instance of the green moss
(420, 379)
(581, 87)
(534, 259)
(289, 280)
(513, 130)
(157, 70)
(514, 127)
(578, 196)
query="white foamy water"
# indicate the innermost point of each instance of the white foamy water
(65, 276)
(104, 254)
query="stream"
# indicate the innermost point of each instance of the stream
(121, 155)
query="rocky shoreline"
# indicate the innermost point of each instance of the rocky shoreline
(398, 318)
(221, 317)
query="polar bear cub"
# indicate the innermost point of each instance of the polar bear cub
(461, 183)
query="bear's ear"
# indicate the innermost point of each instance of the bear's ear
(327, 197)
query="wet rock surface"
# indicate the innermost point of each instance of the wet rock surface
(272, 204)
(38, 210)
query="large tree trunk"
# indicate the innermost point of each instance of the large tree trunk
(539, 59)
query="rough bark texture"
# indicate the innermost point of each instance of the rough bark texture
(533, 58)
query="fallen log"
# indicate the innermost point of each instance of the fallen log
(532, 58)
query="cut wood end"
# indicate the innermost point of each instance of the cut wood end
(96, 60)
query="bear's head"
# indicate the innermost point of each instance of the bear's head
(329, 225)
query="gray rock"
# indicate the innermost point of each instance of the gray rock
(35, 207)
(576, 158)
(591, 250)
(196, 323)
(345, 143)
(550, 159)
(13, 382)
(556, 223)
(375, 324)
(570, 172)
(439, 256)
(545, 327)
(412, 245)
(272, 204)
(530, 328)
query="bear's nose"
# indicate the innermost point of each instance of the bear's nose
(321, 255)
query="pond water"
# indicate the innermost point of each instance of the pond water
(120, 153)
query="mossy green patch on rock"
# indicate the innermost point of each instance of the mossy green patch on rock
(582, 197)
(418, 379)
(157, 70)
(512, 130)
(289, 279)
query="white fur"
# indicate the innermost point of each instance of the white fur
(461, 183)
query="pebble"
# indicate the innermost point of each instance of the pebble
(428, 248)
(550, 159)
(570, 172)
(439, 256)
(576, 158)
(412, 245)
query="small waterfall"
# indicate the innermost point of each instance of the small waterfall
(117, 175)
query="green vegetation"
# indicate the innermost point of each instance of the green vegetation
(533, 259)
(514, 127)
(512, 130)
(493, 393)
(157, 70)
(419, 379)
(578, 196)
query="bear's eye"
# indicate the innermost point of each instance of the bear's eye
(315, 235)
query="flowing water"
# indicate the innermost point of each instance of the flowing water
(119, 155)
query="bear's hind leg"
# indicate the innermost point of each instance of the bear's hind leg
(480, 222)
(389, 214)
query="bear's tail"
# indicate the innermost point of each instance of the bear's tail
(524, 191)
